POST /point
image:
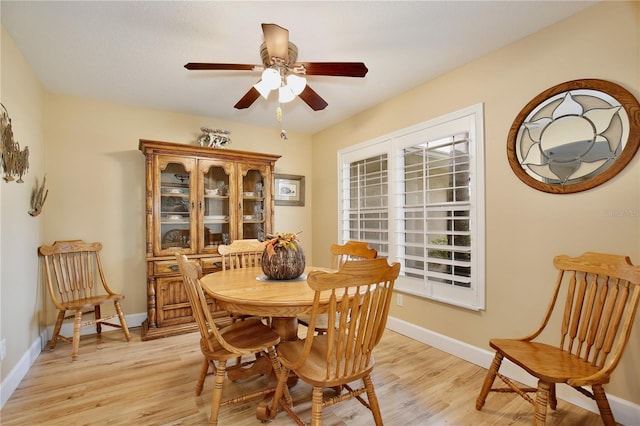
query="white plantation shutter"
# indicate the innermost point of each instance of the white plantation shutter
(417, 196)
(365, 210)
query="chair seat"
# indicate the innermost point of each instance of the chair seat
(546, 362)
(250, 334)
(322, 322)
(314, 369)
(89, 302)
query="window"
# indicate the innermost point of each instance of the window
(417, 196)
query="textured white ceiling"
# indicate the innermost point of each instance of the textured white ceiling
(133, 52)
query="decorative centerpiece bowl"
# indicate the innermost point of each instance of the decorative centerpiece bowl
(283, 257)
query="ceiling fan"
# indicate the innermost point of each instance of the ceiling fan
(281, 71)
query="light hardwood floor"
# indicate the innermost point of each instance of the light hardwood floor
(152, 383)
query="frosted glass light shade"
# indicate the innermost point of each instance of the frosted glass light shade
(271, 77)
(296, 83)
(263, 88)
(285, 95)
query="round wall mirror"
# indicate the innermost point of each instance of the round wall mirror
(574, 136)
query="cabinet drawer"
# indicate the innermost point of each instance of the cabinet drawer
(166, 267)
(211, 262)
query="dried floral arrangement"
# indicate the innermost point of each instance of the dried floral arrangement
(215, 138)
(15, 162)
(287, 240)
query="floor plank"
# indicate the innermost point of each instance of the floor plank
(152, 383)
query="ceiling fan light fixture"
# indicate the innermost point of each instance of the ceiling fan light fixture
(285, 94)
(271, 78)
(263, 88)
(296, 83)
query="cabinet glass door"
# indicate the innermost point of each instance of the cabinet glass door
(254, 209)
(174, 221)
(215, 178)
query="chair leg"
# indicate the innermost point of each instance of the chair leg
(123, 321)
(488, 380)
(282, 377)
(203, 374)
(373, 400)
(77, 324)
(56, 330)
(96, 311)
(217, 393)
(603, 405)
(275, 364)
(316, 406)
(553, 400)
(542, 399)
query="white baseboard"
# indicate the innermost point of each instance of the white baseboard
(625, 412)
(17, 373)
(13, 379)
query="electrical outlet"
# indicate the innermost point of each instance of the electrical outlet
(3, 349)
(399, 300)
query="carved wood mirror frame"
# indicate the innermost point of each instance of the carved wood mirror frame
(574, 136)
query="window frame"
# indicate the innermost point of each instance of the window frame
(468, 120)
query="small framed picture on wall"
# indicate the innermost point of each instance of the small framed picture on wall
(289, 190)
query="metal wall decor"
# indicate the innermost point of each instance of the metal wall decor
(15, 162)
(574, 136)
(38, 197)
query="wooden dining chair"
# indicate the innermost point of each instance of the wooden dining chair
(76, 282)
(340, 254)
(594, 303)
(351, 250)
(218, 346)
(241, 254)
(360, 291)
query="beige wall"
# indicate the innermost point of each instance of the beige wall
(20, 234)
(97, 178)
(525, 228)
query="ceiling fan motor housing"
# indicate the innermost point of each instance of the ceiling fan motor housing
(268, 61)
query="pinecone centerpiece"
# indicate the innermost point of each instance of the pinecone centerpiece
(283, 258)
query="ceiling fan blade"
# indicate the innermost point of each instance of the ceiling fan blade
(208, 66)
(248, 99)
(277, 41)
(339, 69)
(313, 99)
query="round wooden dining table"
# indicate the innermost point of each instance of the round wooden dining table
(247, 291)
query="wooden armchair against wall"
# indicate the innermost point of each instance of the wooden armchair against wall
(595, 302)
(76, 282)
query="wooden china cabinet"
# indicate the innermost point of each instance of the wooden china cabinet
(196, 199)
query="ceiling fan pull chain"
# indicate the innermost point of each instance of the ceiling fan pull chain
(283, 132)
